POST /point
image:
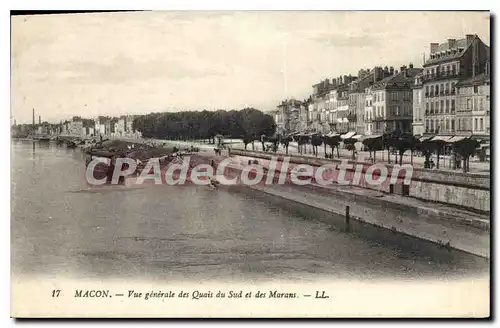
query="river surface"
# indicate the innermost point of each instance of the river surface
(61, 228)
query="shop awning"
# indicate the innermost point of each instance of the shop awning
(348, 135)
(456, 139)
(441, 138)
(424, 139)
(372, 136)
(332, 134)
(357, 137)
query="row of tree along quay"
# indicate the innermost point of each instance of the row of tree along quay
(394, 142)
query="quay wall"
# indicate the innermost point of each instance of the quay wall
(467, 190)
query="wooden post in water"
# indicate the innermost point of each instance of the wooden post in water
(347, 218)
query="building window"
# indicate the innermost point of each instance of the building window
(475, 89)
(475, 124)
(432, 90)
(426, 108)
(447, 106)
(481, 124)
(452, 105)
(468, 104)
(437, 89)
(442, 106)
(452, 125)
(481, 104)
(432, 125)
(447, 125)
(427, 90)
(432, 107)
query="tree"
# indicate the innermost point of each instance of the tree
(285, 141)
(350, 145)
(373, 144)
(302, 140)
(466, 148)
(403, 142)
(426, 147)
(316, 141)
(333, 142)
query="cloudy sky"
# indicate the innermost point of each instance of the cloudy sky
(121, 63)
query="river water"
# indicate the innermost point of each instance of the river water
(61, 228)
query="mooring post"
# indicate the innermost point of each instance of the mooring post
(347, 218)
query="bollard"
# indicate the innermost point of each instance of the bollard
(347, 219)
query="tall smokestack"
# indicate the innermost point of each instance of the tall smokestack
(33, 117)
(39, 119)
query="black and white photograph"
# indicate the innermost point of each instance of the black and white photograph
(250, 164)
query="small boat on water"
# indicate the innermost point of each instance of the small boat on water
(71, 144)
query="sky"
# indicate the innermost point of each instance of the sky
(141, 62)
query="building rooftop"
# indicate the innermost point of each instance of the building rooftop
(450, 51)
(476, 80)
(401, 79)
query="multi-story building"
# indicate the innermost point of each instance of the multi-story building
(473, 106)
(120, 127)
(338, 105)
(357, 96)
(129, 123)
(357, 100)
(319, 108)
(287, 116)
(75, 128)
(304, 115)
(369, 117)
(418, 127)
(393, 101)
(449, 63)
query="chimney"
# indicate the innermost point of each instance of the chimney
(391, 70)
(434, 47)
(469, 38)
(377, 74)
(451, 43)
(39, 119)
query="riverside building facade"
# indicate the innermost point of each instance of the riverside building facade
(449, 63)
